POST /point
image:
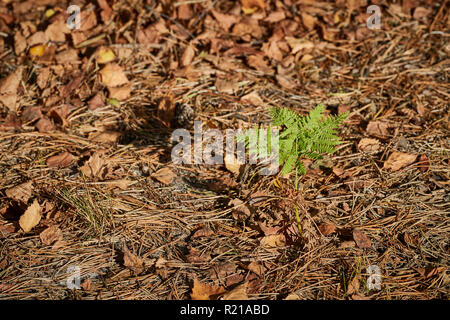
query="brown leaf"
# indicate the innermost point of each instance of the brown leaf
(112, 75)
(57, 31)
(31, 217)
(61, 160)
(232, 164)
(353, 286)
(286, 82)
(398, 160)
(308, 20)
(201, 291)
(256, 268)
(250, 6)
(226, 86)
(51, 235)
(327, 228)
(299, 44)
(237, 293)
(164, 175)
(43, 76)
(166, 110)
(369, 145)
(21, 192)
(20, 43)
(424, 163)
(93, 166)
(225, 20)
(96, 101)
(362, 241)
(120, 93)
(67, 56)
(240, 210)
(104, 136)
(71, 86)
(378, 128)
(254, 98)
(276, 16)
(8, 89)
(273, 241)
(44, 125)
(188, 56)
(131, 261)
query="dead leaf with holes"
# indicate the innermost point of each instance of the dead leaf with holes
(31, 217)
(202, 291)
(399, 160)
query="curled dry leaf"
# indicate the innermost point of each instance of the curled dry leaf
(31, 217)
(201, 291)
(164, 175)
(21, 192)
(61, 160)
(398, 160)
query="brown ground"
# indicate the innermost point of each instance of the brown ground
(98, 170)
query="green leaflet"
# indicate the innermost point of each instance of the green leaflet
(309, 136)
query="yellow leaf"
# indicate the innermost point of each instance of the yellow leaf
(37, 51)
(104, 55)
(49, 13)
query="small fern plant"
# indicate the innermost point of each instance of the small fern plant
(308, 136)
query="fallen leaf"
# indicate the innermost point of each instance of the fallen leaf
(378, 128)
(201, 291)
(51, 235)
(31, 217)
(353, 286)
(237, 293)
(104, 136)
(308, 20)
(44, 125)
(398, 160)
(256, 268)
(292, 296)
(240, 210)
(225, 20)
(273, 241)
(61, 160)
(188, 55)
(253, 98)
(166, 110)
(96, 101)
(226, 86)
(93, 166)
(8, 89)
(299, 44)
(232, 164)
(120, 93)
(362, 241)
(104, 55)
(369, 145)
(327, 228)
(251, 6)
(424, 163)
(112, 75)
(67, 56)
(21, 192)
(131, 261)
(164, 175)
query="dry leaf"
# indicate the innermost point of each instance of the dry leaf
(256, 268)
(327, 228)
(240, 210)
(21, 192)
(237, 293)
(353, 286)
(96, 101)
(51, 235)
(226, 86)
(61, 160)
(166, 110)
(398, 160)
(232, 164)
(93, 167)
(201, 291)
(369, 145)
(378, 128)
(273, 241)
(104, 55)
(362, 241)
(31, 217)
(292, 296)
(253, 98)
(188, 55)
(308, 20)
(225, 20)
(104, 136)
(164, 175)
(299, 44)
(112, 75)
(120, 93)
(131, 261)
(250, 6)
(8, 89)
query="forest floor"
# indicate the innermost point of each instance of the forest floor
(89, 193)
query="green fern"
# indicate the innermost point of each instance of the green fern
(309, 136)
